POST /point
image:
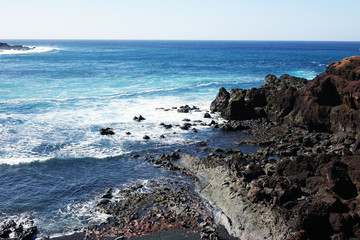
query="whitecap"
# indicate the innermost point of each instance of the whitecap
(34, 50)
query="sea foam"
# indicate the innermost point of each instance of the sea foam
(35, 50)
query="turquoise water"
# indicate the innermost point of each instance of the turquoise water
(53, 162)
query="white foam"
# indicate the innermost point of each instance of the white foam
(65, 132)
(34, 50)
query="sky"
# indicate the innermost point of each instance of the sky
(319, 20)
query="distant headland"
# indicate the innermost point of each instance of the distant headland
(5, 46)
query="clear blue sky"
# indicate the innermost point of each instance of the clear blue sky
(331, 20)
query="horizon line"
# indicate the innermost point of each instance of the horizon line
(224, 40)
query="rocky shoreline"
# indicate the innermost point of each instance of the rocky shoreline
(5, 46)
(302, 183)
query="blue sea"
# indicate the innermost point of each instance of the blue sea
(54, 164)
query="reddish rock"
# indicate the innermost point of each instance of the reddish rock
(353, 163)
(338, 179)
(331, 101)
(341, 222)
(300, 235)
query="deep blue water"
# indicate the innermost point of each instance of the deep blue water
(54, 164)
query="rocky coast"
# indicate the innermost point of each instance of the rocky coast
(5, 46)
(303, 182)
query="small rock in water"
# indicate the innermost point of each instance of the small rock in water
(139, 119)
(194, 130)
(136, 156)
(186, 126)
(162, 136)
(207, 115)
(186, 120)
(146, 137)
(201, 143)
(128, 133)
(107, 131)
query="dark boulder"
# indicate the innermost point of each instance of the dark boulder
(107, 131)
(139, 118)
(207, 115)
(353, 167)
(338, 179)
(221, 102)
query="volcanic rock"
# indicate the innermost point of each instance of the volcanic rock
(107, 131)
(330, 102)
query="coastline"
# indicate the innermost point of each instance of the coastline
(302, 183)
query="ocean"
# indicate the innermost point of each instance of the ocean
(55, 165)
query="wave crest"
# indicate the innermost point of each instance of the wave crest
(35, 50)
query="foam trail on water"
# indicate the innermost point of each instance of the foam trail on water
(35, 50)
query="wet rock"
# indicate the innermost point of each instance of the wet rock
(200, 143)
(128, 133)
(233, 125)
(107, 131)
(184, 109)
(185, 126)
(162, 136)
(146, 137)
(207, 115)
(139, 118)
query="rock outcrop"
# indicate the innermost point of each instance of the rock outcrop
(313, 127)
(330, 102)
(5, 46)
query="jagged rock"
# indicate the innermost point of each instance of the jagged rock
(232, 125)
(330, 102)
(240, 104)
(5, 46)
(139, 118)
(221, 102)
(338, 179)
(353, 166)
